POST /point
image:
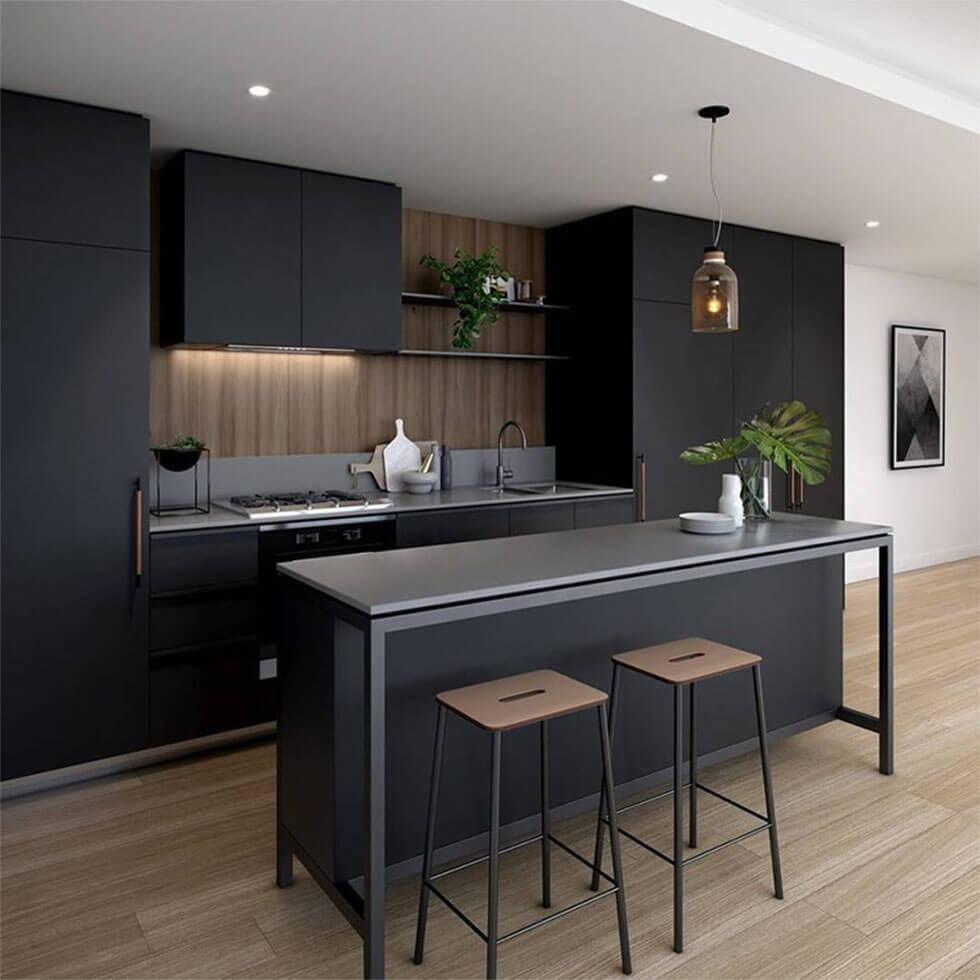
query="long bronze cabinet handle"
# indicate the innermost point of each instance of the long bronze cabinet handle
(139, 533)
(641, 463)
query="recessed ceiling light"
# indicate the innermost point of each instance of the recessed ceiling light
(872, 224)
(659, 178)
(259, 91)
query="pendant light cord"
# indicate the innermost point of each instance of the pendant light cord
(711, 174)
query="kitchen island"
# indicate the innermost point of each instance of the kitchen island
(367, 641)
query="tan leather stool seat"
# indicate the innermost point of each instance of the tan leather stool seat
(686, 661)
(522, 699)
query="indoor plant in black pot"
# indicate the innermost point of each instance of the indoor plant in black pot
(787, 435)
(180, 454)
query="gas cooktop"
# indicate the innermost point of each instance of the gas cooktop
(301, 504)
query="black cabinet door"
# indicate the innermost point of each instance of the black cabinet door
(74, 429)
(818, 357)
(682, 395)
(541, 517)
(601, 513)
(667, 249)
(231, 239)
(351, 263)
(446, 526)
(762, 350)
(74, 173)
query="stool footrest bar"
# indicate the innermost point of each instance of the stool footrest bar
(731, 802)
(726, 843)
(455, 908)
(860, 718)
(486, 857)
(513, 934)
(575, 854)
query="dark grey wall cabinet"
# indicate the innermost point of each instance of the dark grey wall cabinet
(351, 263)
(263, 255)
(74, 173)
(655, 387)
(75, 420)
(75, 415)
(230, 252)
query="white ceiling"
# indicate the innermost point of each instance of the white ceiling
(534, 112)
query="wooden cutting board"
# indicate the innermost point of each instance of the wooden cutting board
(375, 466)
(400, 454)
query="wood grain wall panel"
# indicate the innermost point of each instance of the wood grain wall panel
(256, 404)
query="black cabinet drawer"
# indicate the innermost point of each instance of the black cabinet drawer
(599, 513)
(444, 527)
(183, 562)
(207, 693)
(204, 618)
(538, 518)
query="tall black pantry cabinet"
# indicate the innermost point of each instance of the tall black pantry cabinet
(75, 397)
(638, 382)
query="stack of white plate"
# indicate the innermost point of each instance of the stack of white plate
(705, 523)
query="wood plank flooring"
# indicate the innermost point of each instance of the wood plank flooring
(169, 872)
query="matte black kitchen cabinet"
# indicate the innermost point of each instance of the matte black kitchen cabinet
(453, 524)
(638, 382)
(74, 428)
(539, 518)
(230, 252)
(818, 357)
(351, 263)
(605, 511)
(74, 173)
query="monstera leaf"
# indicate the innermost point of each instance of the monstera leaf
(715, 452)
(790, 434)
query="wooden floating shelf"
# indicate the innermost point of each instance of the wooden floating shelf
(437, 299)
(490, 354)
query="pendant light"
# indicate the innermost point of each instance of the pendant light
(714, 288)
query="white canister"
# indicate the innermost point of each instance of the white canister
(730, 501)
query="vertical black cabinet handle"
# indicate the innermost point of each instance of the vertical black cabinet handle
(139, 534)
(800, 498)
(641, 468)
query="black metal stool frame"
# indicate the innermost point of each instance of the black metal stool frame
(491, 936)
(678, 861)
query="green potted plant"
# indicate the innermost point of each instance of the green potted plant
(475, 290)
(180, 454)
(787, 435)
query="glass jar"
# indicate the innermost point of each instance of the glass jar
(756, 474)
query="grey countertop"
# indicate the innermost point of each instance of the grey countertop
(403, 503)
(390, 582)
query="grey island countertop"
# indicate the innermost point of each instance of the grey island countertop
(402, 503)
(390, 582)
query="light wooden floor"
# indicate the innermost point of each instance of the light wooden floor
(169, 872)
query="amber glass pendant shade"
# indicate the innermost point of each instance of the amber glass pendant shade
(714, 295)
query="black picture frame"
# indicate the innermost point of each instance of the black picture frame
(899, 330)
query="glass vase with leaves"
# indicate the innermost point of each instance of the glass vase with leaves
(475, 290)
(788, 435)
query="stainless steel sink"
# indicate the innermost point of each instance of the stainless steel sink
(543, 489)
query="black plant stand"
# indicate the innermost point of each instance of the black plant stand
(172, 510)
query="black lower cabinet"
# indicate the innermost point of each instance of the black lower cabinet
(447, 526)
(537, 518)
(73, 672)
(601, 513)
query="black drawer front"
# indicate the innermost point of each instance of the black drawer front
(444, 527)
(204, 694)
(541, 517)
(182, 562)
(599, 513)
(211, 616)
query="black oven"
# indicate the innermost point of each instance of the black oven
(310, 539)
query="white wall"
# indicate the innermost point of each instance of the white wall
(935, 512)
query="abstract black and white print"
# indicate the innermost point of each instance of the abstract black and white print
(918, 397)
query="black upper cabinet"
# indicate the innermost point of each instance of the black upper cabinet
(667, 248)
(230, 249)
(75, 417)
(262, 255)
(351, 263)
(682, 384)
(818, 357)
(74, 173)
(762, 350)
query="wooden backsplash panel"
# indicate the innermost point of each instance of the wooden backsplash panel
(257, 404)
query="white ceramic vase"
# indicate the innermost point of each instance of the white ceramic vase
(730, 501)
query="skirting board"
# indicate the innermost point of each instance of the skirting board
(54, 778)
(864, 565)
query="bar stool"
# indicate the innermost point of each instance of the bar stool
(505, 705)
(680, 663)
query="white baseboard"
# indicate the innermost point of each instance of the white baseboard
(116, 764)
(864, 565)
